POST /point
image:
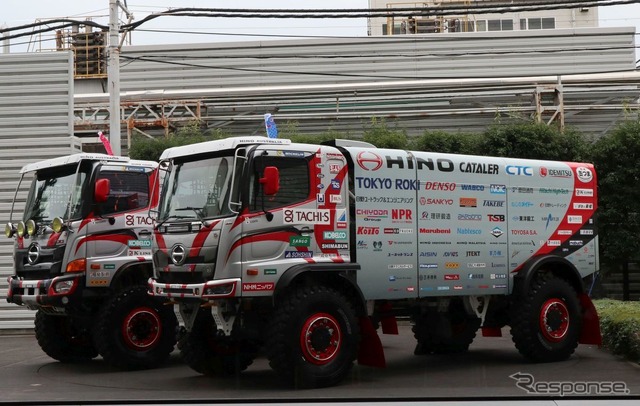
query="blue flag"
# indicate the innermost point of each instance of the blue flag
(270, 124)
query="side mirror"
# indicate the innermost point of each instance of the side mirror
(271, 181)
(101, 191)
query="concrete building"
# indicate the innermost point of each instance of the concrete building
(582, 17)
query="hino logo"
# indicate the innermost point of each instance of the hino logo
(178, 254)
(33, 254)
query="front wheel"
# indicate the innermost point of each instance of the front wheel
(135, 330)
(210, 353)
(63, 338)
(314, 337)
(546, 323)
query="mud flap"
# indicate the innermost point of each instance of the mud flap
(388, 321)
(370, 352)
(590, 333)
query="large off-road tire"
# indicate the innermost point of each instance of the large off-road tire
(445, 333)
(134, 330)
(213, 354)
(546, 321)
(313, 338)
(63, 338)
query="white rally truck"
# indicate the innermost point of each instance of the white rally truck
(305, 250)
(82, 258)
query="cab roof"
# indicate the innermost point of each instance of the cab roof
(218, 145)
(75, 158)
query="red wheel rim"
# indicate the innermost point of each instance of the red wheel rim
(554, 320)
(320, 338)
(141, 329)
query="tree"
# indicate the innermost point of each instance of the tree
(452, 143)
(379, 134)
(615, 157)
(534, 141)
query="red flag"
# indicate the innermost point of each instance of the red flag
(105, 142)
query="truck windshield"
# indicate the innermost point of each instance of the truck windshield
(197, 189)
(53, 192)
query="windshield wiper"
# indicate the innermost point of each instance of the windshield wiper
(172, 218)
(197, 210)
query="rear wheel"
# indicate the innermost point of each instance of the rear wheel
(546, 323)
(63, 338)
(314, 337)
(135, 330)
(210, 353)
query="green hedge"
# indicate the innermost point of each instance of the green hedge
(620, 325)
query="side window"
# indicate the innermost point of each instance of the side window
(294, 182)
(128, 191)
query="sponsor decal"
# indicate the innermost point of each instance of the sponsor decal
(334, 168)
(564, 232)
(550, 219)
(440, 186)
(522, 204)
(428, 277)
(452, 265)
(522, 189)
(473, 188)
(498, 276)
(576, 243)
(300, 241)
(386, 183)
(369, 161)
(518, 170)
(584, 192)
(258, 287)
(429, 266)
(496, 253)
(139, 243)
(335, 184)
(493, 203)
(429, 254)
(583, 206)
(298, 254)
(497, 232)
(499, 286)
(450, 254)
(553, 191)
(496, 217)
(452, 277)
(335, 199)
(468, 231)
(342, 218)
(270, 271)
(584, 174)
(556, 173)
(468, 202)
(586, 232)
(318, 216)
(475, 276)
(400, 266)
(401, 215)
(473, 253)
(574, 219)
(335, 246)
(479, 167)
(109, 266)
(443, 202)
(372, 213)
(443, 288)
(476, 265)
(553, 243)
(523, 218)
(368, 230)
(320, 198)
(435, 230)
(335, 235)
(469, 217)
(524, 232)
(496, 189)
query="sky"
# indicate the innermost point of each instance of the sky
(20, 12)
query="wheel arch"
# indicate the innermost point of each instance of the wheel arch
(557, 265)
(132, 274)
(339, 276)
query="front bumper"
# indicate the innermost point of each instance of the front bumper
(216, 289)
(54, 293)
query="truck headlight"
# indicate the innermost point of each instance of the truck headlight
(57, 224)
(21, 228)
(9, 230)
(31, 227)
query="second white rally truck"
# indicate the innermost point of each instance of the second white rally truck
(303, 251)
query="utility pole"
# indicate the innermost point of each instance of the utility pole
(113, 77)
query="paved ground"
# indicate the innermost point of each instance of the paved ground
(28, 375)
